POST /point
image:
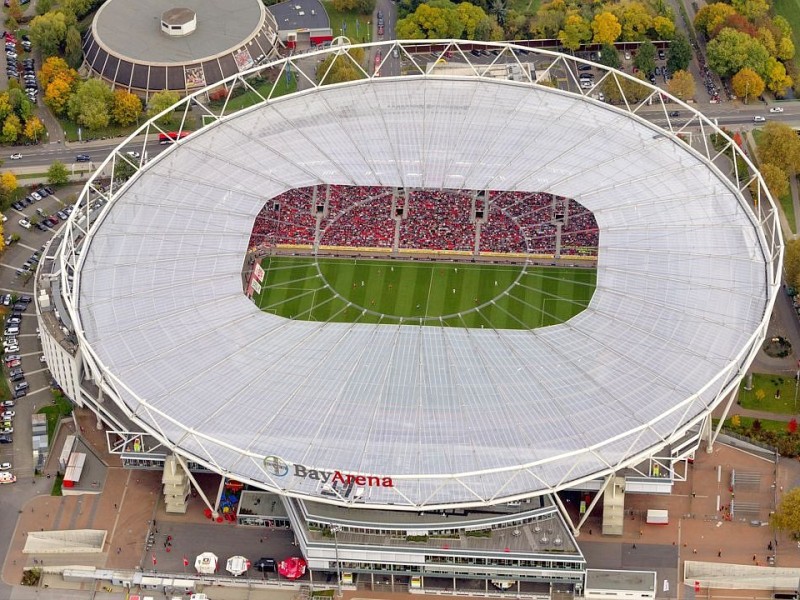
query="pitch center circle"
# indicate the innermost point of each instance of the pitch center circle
(400, 290)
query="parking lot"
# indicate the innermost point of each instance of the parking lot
(29, 228)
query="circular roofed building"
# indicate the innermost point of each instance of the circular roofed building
(151, 298)
(182, 46)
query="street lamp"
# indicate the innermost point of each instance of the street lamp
(335, 529)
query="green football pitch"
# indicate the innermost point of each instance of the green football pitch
(428, 293)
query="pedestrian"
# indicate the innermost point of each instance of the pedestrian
(754, 558)
(719, 553)
(634, 547)
(590, 531)
(115, 506)
(694, 550)
(119, 550)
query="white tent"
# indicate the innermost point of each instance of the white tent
(206, 563)
(237, 565)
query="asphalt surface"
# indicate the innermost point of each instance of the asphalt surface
(20, 453)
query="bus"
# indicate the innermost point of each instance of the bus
(171, 136)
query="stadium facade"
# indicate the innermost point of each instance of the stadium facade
(383, 440)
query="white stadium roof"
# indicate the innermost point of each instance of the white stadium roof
(685, 283)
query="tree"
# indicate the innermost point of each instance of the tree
(786, 49)
(606, 28)
(634, 18)
(682, 85)
(337, 68)
(57, 174)
(751, 9)
(633, 90)
(549, 19)
(609, 56)
(53, 67)
(73, 46)
(57, 94)
(161, 101)
(20, 104)
(123, 170)
(364, 7)
(15, 12)
(777, 79)
(645, 59)
(779, 145)
(34, 128)
(733, 50)
(787, 514)
(664, 27)
(431, 22)
(747, 84)
(576, 31)
(8, 184)
(43, 6)
(79, 8)
(679, 54)
(775, 179)
(472, 17)
(127, 107)
(48, 32)
(499, 9)
(12, 129)
(90, 105)
(711, 17)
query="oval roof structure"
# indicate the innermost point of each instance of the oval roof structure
(428, 416)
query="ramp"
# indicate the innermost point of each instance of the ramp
(70, 541)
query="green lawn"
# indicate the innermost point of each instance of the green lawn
(762, 396)
(788, 209)
(790, 10)
(745, 423)
(344, 23)
(250, 97)
(414, 293)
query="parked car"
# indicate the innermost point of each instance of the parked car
(21, 386)
(25, 223)
(8, 404)
(12, 348)
(7, 414)
(6, 466)
(6, 439)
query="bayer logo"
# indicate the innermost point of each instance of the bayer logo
(276, 466)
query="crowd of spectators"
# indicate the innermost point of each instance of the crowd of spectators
(286, 219)
(438, 220)
(518, 222)
(358, 217)
(580, 234)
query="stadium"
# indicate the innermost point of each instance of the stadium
(365, 423)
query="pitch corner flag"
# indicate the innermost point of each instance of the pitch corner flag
(185, 562)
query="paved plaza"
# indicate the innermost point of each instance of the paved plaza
(131, 501)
